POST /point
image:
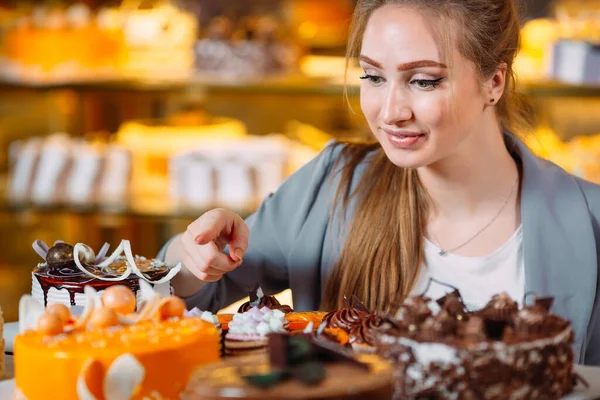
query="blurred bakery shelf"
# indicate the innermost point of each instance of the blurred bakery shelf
(285, 85)
(288, 85)
(558, 89)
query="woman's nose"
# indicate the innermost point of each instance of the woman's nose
(396, 107)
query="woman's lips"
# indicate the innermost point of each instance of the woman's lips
(403, 139)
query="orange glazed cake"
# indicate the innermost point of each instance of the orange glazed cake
(110, 352)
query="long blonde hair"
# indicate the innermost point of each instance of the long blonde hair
(384, 243)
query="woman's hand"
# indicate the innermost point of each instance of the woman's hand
(204, 240)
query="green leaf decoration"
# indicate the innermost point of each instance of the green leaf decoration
(299, 350)
(310, 373)
(267, 380)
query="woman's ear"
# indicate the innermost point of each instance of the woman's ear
(494, 87)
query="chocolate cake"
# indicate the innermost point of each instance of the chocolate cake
(499, 352)
(61, 278)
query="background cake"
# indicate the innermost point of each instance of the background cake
(61, 279)
(104, 43)
(110, 349)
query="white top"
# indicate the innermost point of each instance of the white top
(477, 278)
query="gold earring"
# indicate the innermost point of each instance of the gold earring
(493, 100)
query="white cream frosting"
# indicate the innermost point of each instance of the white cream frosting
(204, 315)
(258, 322)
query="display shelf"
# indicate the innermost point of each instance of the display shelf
(292, 85)
(558, 89)
(284, 85)
(114, 212)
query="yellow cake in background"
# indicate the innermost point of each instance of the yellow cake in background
(105, 43)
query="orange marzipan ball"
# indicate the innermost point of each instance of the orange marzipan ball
(119, 298)
(61, 311)
(50, 324)
(103, 318)
(172, 306)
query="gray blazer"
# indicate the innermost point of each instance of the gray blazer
(294, 243)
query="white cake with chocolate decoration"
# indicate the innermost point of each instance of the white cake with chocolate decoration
(67, 269)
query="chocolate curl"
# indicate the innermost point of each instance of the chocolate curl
(345, 303)
(252, 293)
(453, 304)
(359, 305)
(544, 302)
(442, 300)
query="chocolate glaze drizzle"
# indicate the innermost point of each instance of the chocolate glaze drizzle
(74, 281)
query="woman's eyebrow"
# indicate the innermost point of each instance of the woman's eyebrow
(404, 67)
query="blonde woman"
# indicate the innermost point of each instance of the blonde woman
(446, 191)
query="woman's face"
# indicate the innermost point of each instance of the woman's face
(416, 114)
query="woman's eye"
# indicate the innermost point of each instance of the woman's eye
(426, 83)
(374, 79)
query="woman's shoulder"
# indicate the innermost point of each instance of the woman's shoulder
(591, 191)
(560, 181)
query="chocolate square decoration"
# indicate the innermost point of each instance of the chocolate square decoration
(544, 302)
(494, 329)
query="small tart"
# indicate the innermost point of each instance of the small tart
(300, 320)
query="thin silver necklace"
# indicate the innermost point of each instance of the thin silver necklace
(443, 252)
